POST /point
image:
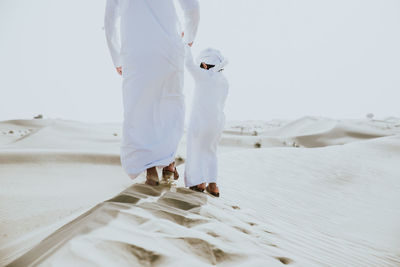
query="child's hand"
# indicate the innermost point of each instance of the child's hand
(119, 70)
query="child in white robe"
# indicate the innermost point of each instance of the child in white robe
(207, 119)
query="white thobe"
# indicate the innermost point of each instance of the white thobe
(144, 37)
(206, 124)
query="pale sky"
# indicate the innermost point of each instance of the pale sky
(288, 58)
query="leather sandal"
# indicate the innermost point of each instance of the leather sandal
(167, 174)
(197, 188)
(214, 193)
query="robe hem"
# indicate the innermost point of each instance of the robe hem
(161, 163)
(213, 180)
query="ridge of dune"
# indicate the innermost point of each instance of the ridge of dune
(188, 231)
(21, 156)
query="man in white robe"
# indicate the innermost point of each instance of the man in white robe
(144, 39)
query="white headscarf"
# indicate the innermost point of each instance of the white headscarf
(212, 56)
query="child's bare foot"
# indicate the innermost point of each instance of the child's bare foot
(199, 187)
(152, 177)
(170, 171)
(212, 188)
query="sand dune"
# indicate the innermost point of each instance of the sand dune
(315, 192)
(52, 174)
(307, 132)
(157, 226)
(320, 132)
(335, 206)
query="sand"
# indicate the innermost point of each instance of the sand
(310, 192)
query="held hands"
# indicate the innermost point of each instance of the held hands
(119, 70)
(189, 44)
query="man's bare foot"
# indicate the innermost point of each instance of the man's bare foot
(152, 177)
(170, 171)
(199, 187)
(212, 188)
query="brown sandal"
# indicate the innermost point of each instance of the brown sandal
(167, 174)
(197, 188)
(214, 193)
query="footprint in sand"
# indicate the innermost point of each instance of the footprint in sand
(172, 214)
(137, 256)
(145, 190)
(268, 232)
(242, 230)
(133, 194)
(173, 206)
(183, 201)
(207, 251)
(125, 198)
(284, 260)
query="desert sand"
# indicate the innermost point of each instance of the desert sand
(310, 192)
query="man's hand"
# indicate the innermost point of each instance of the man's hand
(119, 70)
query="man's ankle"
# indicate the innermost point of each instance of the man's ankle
(170, 167)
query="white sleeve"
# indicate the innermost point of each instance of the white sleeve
(111, 29)
(191, 10)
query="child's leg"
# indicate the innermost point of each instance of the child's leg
(194, 164)
(212, 167)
